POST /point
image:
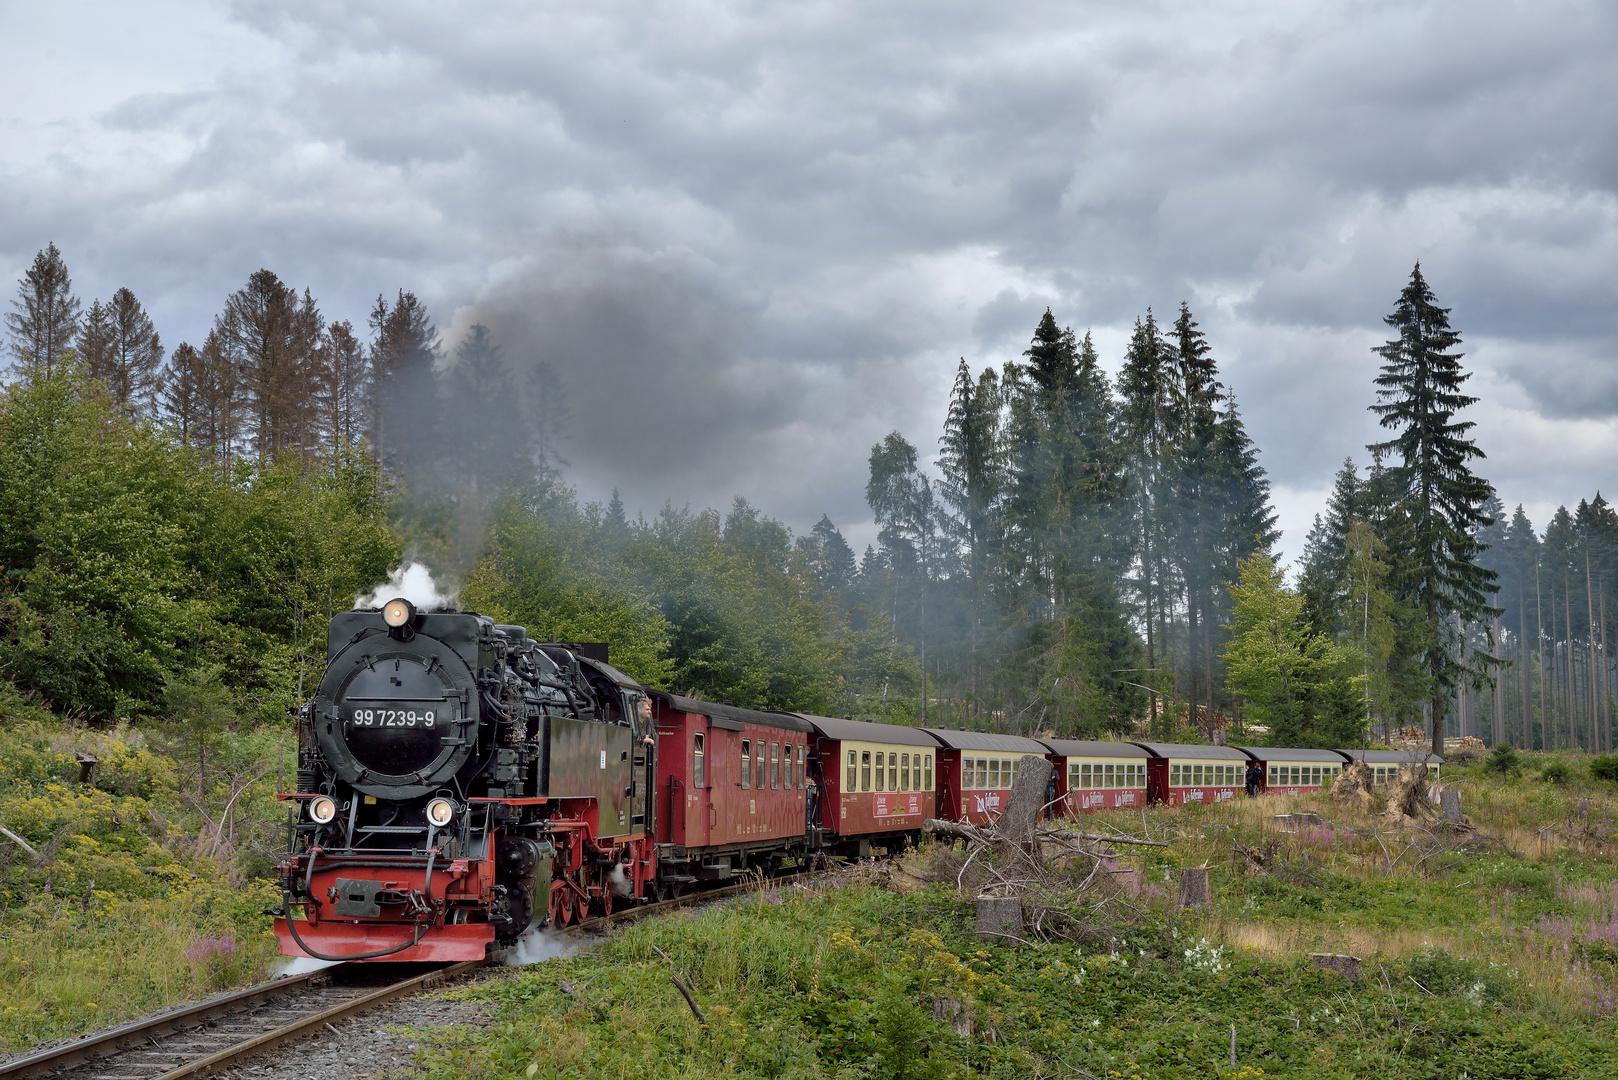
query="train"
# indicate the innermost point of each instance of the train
(459, 782)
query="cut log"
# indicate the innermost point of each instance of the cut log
(1194, 888)
(1346, 966)
(1000, 917)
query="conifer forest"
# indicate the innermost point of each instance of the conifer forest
(1071, 551)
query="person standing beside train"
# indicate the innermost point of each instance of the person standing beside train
(1255, 777)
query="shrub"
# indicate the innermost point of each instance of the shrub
(1503, 759)
(1556, 773)
(1604, 767)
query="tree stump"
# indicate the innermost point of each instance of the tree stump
(1450, 801)
(1000, 917)
(1021, 815)
(1194, 888)
(1346, 966)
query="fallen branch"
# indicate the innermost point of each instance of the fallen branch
(19, 841)
(687, 990)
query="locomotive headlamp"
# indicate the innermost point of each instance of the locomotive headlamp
(323, 809)
(397, 613)
(440, 812)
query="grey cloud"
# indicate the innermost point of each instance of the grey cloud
(795, 218)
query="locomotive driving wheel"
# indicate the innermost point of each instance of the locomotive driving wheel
(561, 904)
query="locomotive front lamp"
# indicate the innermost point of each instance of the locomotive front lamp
(440, 812)
(397, 613)
(323, 809)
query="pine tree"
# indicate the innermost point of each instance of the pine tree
(1323, 576)
(1419, 392)
(44, 317)
(903, 505)
(272, 339)
(1520, 556)
(1194, 507)
(972, 483)
(1145, 387)
(179, 398)
(404, 394)
(118, 345)
(343, 391)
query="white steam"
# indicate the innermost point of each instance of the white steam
(537, 946)
(415, 583)
(297, 965)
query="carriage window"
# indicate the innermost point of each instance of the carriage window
(761, 763)
(1008, 770)
(880, 758)
(865, 770)
(927, 780)
(983, 772)
(994, 773)
(904, 772)
(800, 765)
(775, 765)
(893, 772)
(786, 766)
(1084, 774)
(697, 778)
(853, 774)
(1108, 776)
(747, 763)
(967, 765)
(1073, 775)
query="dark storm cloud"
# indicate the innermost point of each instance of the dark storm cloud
(785, 223)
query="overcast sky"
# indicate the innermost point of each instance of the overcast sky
(756, 237)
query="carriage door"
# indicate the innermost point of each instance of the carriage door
(706, 761)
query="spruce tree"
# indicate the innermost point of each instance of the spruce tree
(1419, 393)
(344, 386)
(1323, 577)
(1145, 387)
(44, 317)
(972, 484)
(119, 346)
(273, 338)
(1520, 556)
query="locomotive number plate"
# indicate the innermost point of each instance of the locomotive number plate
(406, 718)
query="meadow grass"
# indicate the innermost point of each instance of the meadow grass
(1491, 959)
(129, 902)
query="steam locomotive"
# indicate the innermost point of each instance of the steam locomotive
(459, 782)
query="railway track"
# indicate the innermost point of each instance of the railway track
(197, 1040)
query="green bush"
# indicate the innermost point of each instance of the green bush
(1440, 972)
(1556, 773)
(1604, 767)
(1503, 759)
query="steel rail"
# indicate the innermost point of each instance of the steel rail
(139, 1033)
(102, 1050)
(305, 1025)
